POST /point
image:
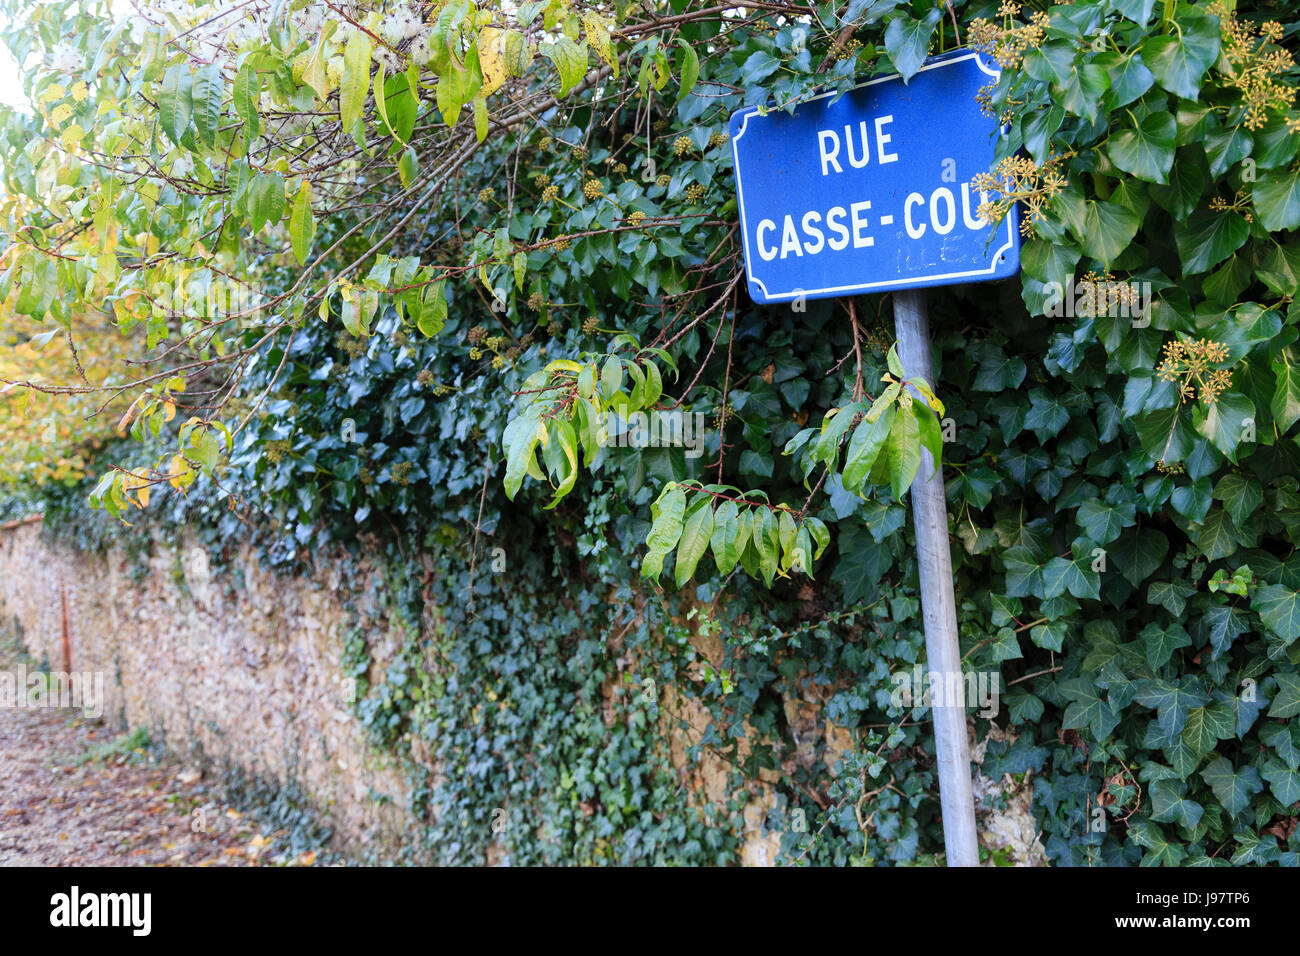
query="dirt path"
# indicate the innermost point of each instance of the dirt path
(74, 794)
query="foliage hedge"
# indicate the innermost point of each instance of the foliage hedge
(1151, 686)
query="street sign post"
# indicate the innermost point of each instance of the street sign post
(870, 193)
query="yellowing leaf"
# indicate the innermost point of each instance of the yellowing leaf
(491, 61)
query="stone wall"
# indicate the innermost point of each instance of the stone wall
(243, 670)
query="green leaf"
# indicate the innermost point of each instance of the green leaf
(1217, 537)
(1169, 804)
(864, 447)
(1146, 151)
(696, 532)
(1207, 238)
(1108, 228)
(758, 67)
(519, 441)
(1283, 782)
(354, 85)
(1164, 435)
(433, 314)
(302, 225)
(247, 94)
(907, 41)
(266, 196)
(1279, 608)
(1232, 789)
(725, 539)
(1286, 702)
(1161, 642)
(207, 93)
(1276, 196)
(1206, 726)
(665, 530)
(1103, 522)
(1065, 574)
(570, 60)
(690, 68)
(1240, 495)
(904, 449)
(1087, 709)
(1179, 61)
(1172, 701)
(175, 104)
(1286, 396)
(1084, 89)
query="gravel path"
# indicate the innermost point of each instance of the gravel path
(69, 797)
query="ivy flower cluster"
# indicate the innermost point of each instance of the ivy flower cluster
(1019, 179)
(1009, 42)
(1190, 365)
(1255, 70)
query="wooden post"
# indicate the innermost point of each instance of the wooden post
(938, 603)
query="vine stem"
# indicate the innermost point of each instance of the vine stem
(858, 389)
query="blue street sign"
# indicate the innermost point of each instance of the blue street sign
(871, 192)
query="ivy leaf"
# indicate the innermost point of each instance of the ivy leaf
(1221, 625)
(1283, 782)
(1161, 642)
(1087, 709)
(1103, 522)
(1139, 554)
(907, 41)
(1084, 89)
(1062, 574)
(1279, 608)
(1232, 789)
(1207, 238)
(1172, 701)
(1285, 742)
(1146, 151)
(1224, 422)
(1164, 435)
(1169, 804)
(1024, 573)
(1286, 703)
(1217, 537)
(1286, 396)
(1171, 595)
(1178, 62)
(1240, 494)
(1206, 726)
(1129, 77)
(1108, 228)
(1276, 196)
